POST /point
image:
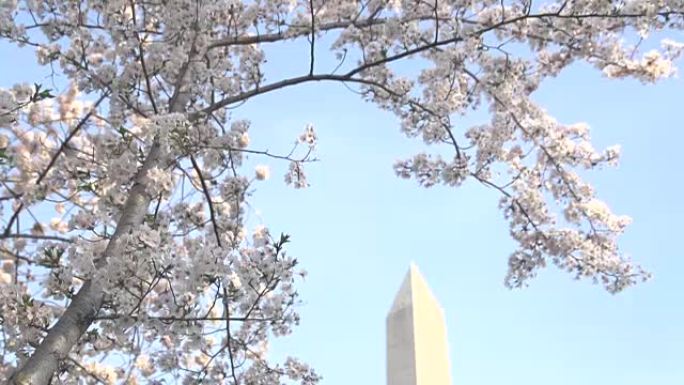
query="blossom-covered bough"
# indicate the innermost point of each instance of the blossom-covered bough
(145, 272)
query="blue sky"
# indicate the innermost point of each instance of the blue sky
(358, 226)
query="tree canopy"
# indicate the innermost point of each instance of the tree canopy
(147, 271)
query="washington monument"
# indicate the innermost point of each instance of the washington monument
(417, 350)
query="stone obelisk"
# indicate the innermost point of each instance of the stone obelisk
(417, 348)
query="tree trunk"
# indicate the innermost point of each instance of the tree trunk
(78, 316)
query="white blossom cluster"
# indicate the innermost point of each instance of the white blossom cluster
(124, 249)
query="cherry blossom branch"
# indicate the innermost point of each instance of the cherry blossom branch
(302, 30)
(266, 153)
(54, 158)
(36, 237)
(78, 316)
(86, 371)
(146, 75)
(347, 76)
(554, 162)
(229, 337)
(92, 76)
(205, 189)
(313, 38)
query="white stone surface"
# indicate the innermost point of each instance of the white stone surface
(417, 348)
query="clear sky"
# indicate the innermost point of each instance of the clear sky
(358, 226)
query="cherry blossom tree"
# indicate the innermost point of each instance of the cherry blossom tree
(147, 271)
